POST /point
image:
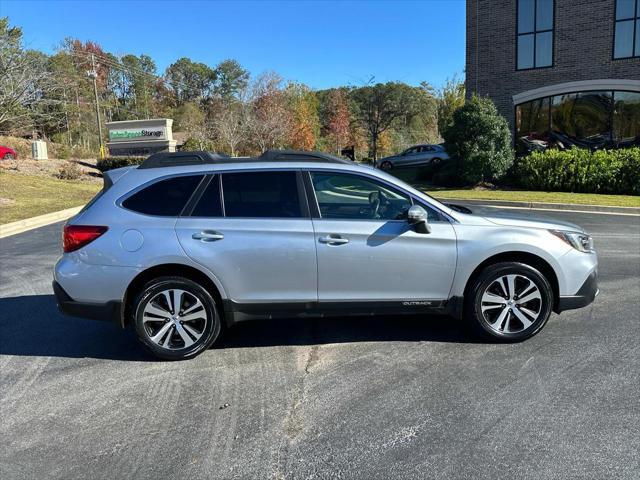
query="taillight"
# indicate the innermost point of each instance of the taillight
(77, 236)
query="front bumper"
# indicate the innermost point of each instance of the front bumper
(109, 311)
(587, 294)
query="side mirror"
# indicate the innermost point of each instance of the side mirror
(417, 218)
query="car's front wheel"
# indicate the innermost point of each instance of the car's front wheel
(8, 156)
(386, 166)
(509, 301)
(175, 318)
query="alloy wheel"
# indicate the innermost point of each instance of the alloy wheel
(511, 304)
(174, 319)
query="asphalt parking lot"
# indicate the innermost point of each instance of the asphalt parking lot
(343, 398)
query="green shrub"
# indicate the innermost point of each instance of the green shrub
(447, 175)
(479, 141)
(117, 162)
(579, 170)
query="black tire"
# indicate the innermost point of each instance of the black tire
(386, 166)
(436, 161)
(8, 156)
(510, 328)
(211, 325)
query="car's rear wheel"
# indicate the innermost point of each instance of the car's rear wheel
(175, 318)
(509, 302)
(8, 156)
(386, 166)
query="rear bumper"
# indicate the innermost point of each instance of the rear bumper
(587, 294)
(110, 311)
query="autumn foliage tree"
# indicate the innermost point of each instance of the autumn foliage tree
(219, 107)
(269, 121)
(338, 120)
(303, 110)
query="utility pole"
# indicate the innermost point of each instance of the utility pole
(94, 74)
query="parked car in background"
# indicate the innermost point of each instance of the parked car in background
(415, 156)
(189, 243)
(7, 153)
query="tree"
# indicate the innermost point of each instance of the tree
(140, 73)
(303, 109)
(269, 120)
(25, 82)
(419, 128)
(450, 97)
(336, 118)
(382, 106)
(480, 140)
(232, 79)
(190, 81)
(230, 125)
(191, 119)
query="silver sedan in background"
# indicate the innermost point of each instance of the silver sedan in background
(418, 155)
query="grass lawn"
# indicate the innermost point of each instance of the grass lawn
(24, 196)
(410, 175)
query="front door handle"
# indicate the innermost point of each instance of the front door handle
(207, 236)
(333, 239)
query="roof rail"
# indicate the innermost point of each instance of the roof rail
(177, 159)
(299, 156)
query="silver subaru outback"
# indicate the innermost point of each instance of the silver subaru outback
(187, 244)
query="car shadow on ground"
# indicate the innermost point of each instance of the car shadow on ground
(32, 326)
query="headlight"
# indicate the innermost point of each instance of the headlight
(580, 241)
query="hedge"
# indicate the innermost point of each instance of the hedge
(579, 170)
(118, 162)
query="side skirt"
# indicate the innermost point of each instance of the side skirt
(237, 312)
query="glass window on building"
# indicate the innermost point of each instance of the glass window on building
(627, 31)
(532, 126)
(593, 120)
(626, 119)
(582, 119)
(535, 34)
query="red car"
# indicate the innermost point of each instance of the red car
(7, 153)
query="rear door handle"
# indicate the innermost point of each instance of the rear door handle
(333, 239)
(207, 236)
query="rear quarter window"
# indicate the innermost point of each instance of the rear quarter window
(164, 198)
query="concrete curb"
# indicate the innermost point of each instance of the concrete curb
(547, 206)
(20, 226)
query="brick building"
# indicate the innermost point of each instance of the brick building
(562, 72)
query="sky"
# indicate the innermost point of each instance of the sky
(320, 43)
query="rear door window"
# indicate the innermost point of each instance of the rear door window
(164, 198)
(261, 195)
